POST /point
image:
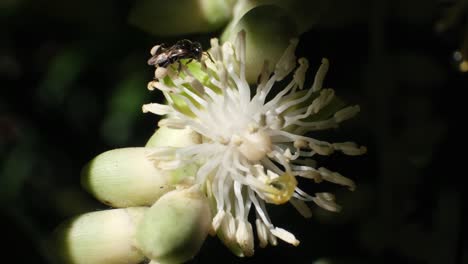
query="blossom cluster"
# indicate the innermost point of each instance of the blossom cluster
(254, 141)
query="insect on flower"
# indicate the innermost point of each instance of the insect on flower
(253, 146)
(163, 56)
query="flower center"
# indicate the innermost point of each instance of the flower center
(254, 144)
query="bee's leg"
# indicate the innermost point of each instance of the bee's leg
(209, 56)
(189, 61)
(165, 64)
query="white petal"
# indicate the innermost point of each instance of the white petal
(217, 220)
(299, 75)
(244, 237)
(158, 109)
(301, 207)
(285, 236)
(287, 62)
(337, 178)
(320, 75)
(262, 233)
(346, 113)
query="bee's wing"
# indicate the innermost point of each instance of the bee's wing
(155, 52)
(158, 49)
(178, 54)
(153, 60)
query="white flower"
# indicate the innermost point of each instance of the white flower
(254, 145)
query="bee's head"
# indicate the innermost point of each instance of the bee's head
(197, 50)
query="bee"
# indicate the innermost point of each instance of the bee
(163, 56)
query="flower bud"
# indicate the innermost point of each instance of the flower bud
(269, 29)
(103, 237)
(125, 177)
(168, 137)
(163, 18)
(305, 13)
(175, 227)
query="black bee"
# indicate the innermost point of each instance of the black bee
(164, 56)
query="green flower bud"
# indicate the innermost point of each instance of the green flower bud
(179, 138)
(103, 237)
(125, 177)
(305, 13)
(163, 18)
(175, 227)
(269, 30)
(167, 137)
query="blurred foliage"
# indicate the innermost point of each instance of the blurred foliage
(74, 78)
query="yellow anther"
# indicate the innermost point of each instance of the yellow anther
(280, 189)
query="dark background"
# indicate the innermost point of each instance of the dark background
(73, 79)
